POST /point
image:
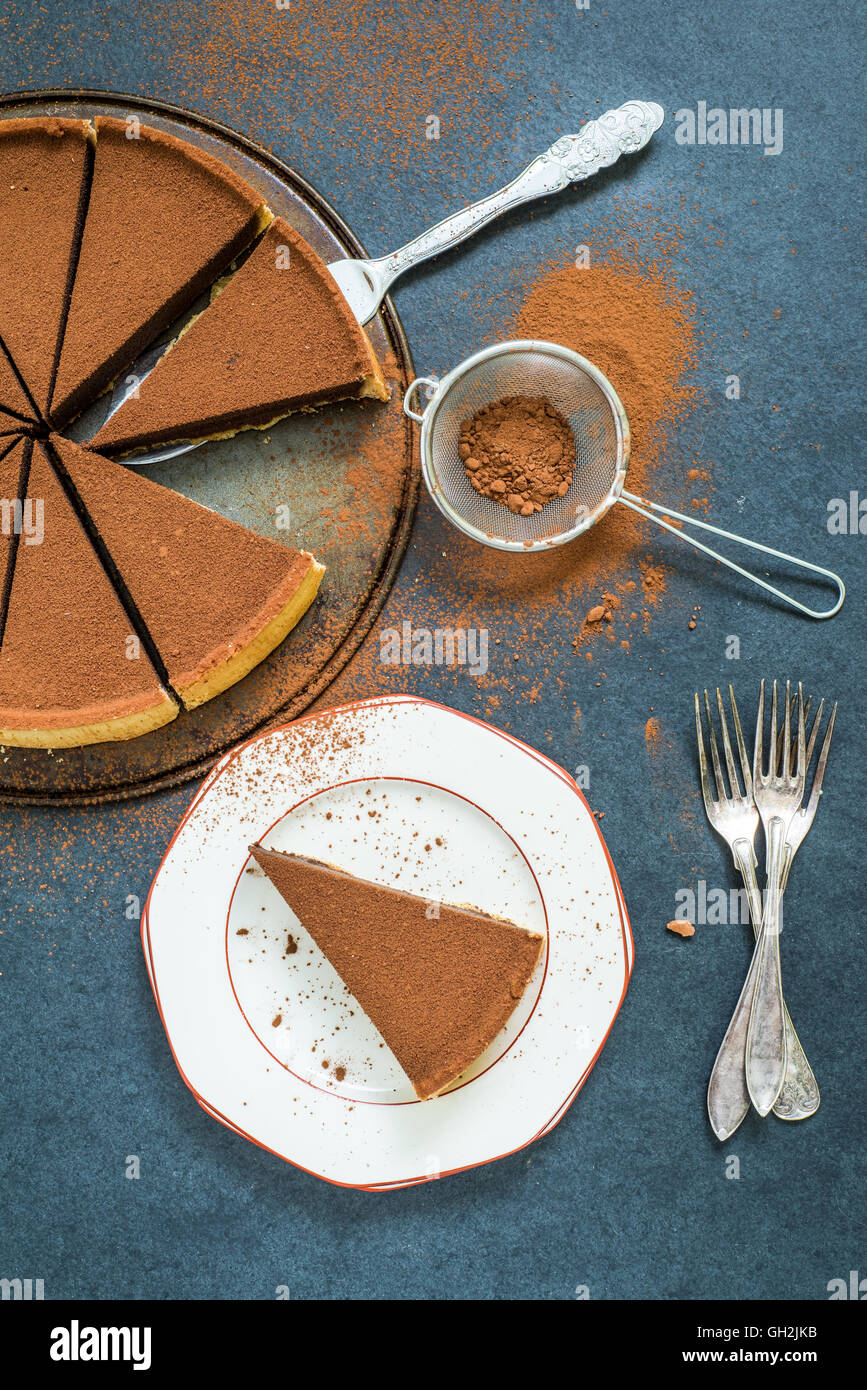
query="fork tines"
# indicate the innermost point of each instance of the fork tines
(819, 773)
(738, 792)
(789, 768)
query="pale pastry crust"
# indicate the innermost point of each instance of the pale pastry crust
(195, 689)
(110, 722)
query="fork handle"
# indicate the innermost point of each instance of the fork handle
(766, 1035)
(728, 1097)
(728, 1100)
(799, 1098)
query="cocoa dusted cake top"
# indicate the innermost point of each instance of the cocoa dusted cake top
(44, 164)
(69, 658)
(164, 219)
(438, 987)
(14, 469)
(109, 232)
(278, 336)
(15, 404)
(207, 589)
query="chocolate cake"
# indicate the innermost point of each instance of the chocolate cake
(10, 424)
(72, 670)
(43, 184)
(109, 232)
(214, 597)
(14, 403)
(163, 220)
(438, 988)
(277, 337)
(14, 467)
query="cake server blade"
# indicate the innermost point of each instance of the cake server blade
(598, 144)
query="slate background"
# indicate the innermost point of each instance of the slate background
(628, 1195)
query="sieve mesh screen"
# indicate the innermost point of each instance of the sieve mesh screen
(516, 370)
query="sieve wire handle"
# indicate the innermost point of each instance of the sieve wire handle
(431, 382)
(654, 512)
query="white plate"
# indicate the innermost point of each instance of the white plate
(418, 796)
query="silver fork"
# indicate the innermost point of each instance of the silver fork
(799, 1097)
(778, 795)
(736, 819)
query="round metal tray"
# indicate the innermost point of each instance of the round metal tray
(314, 475)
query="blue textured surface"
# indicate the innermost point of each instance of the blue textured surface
(629, 1195)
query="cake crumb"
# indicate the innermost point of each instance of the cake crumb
(681, 928)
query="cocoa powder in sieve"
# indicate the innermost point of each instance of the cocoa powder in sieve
(520, 452)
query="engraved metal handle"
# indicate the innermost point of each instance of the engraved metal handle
(728, 1098)
(570, 159)
(766, 1036)
(799, 1098)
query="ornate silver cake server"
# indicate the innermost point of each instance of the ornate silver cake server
(570, 159)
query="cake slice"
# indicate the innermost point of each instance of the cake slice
(10, 424)
(438, 988)
(163, 221)
(215, 597)
(72, 670)
(43, 185)
(278, 336)
(14, 467)
(14, 403)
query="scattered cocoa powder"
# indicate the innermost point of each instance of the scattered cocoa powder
(519, 452)
(362, 74)
(628, 296)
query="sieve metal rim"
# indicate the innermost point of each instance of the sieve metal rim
(428, 420)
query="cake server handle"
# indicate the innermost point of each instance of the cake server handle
(570, 159)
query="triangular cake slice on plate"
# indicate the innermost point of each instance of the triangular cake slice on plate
(278, 336)
(43, 164)
(439, 989)
(215, 597)
(14, 402)
(163, 221)
(72, 669)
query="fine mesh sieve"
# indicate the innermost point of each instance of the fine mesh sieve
(585, 398)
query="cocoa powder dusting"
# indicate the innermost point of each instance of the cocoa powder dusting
(519, 452)
(360, 74)
(629, 314)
